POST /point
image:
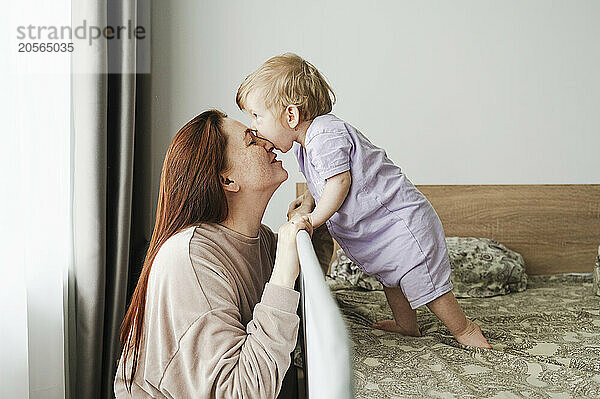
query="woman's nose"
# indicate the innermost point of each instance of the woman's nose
(267, 144)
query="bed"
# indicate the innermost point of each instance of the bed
(546, 338)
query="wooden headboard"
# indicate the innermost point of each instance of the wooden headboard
(555, 227)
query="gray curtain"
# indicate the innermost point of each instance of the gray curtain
(104, 109)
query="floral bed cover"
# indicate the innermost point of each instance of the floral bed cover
(546, 343)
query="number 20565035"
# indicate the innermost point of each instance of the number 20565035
(45, 47)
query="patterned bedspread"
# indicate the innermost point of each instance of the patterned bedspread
(546, 341)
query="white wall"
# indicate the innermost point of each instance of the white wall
(457, 92)
(14, 364)
(35, 224)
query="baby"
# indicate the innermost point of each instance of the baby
(381, 221)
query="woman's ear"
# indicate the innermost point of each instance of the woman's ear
(229, 185)
(292, 116)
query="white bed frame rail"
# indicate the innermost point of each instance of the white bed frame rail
(327, 360)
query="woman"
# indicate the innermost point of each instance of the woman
(214, 311)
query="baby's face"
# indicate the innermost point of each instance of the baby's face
(267, 124)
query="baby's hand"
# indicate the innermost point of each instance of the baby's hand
(307, 217)
(304, 220)
(302, 205)
(297, 217)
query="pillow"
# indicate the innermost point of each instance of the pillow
(480, 267)
(342, 268)
(597, 274)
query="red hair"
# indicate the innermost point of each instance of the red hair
(190, 193)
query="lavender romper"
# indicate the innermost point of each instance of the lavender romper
(385, 225)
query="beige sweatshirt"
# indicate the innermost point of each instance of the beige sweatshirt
(214, 327)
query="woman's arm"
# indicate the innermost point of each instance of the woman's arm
(220, 357)
(287, 268)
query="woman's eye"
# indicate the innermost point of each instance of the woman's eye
(254, 115)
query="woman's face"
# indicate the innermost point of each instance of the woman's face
(251, 160)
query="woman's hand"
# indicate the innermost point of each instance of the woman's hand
(302, 220)
(302, 205)
(287, 266)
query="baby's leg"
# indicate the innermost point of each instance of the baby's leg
(405, 317)
(447, 309)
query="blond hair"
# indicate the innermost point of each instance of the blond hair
(288, 79)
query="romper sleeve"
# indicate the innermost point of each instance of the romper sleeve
(329, 152)
(218, 357)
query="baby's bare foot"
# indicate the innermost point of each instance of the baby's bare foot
(472, 336)
(392, 326)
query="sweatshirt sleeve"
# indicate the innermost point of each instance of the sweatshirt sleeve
(219, 358)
